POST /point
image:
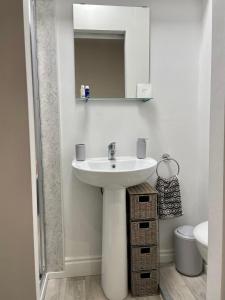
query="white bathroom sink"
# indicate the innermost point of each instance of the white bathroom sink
(120, 173)
(114, 176)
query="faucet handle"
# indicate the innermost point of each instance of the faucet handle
(111, 151)
(112, 145)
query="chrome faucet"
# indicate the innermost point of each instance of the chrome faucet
(112, 151)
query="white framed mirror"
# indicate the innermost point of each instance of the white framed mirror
(111, 52)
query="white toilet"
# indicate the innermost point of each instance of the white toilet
(201, 236)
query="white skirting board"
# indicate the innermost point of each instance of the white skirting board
(91, 265)
(166, 256)
(83, 266)
(79, 266)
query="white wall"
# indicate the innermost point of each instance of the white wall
(121, 19)
(204, 107)
(171, 122)
(175, 51)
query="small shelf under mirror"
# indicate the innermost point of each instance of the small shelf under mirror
(115, 99)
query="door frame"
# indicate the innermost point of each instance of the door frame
(216, 259)
(28, 56)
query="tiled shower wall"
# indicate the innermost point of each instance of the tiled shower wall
(49, 114)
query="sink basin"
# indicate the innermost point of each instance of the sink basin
(114, 176)
(121, 173)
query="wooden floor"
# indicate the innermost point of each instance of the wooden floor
(175, 286)
(83, 288)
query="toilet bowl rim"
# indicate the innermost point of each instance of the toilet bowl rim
(201, 233)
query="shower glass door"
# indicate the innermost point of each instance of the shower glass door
(39, 175)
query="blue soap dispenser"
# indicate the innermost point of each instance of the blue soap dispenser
(87, 91)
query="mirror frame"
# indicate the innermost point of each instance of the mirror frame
(122, 3)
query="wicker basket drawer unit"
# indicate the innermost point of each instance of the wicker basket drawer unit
(143, 233)
(143, 207)
(143, 240)
(144, 257)
(144, 283)
(142, 202)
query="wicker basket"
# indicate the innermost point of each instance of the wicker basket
(144, 283)
(143, 207)
(144, 258)
(143, 233)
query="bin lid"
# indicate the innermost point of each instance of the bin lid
(185, 231)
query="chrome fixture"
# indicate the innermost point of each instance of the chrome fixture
(165, 158)
(111, 151)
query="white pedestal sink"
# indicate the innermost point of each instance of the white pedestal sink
(114, 176)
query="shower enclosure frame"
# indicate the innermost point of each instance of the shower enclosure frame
(38, 144)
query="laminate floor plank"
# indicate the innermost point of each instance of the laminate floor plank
(66, 289)
(175, 286)
(93, 288)
(54, 289)
(83, 288)
(197, 285)
(75, 289)
(157, 297)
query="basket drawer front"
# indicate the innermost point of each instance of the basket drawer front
(144, 283)
(143, 233)
(143, 207)
(144, 258)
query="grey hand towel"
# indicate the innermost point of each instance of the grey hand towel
(169, 197)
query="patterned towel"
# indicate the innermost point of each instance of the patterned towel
(169, 197)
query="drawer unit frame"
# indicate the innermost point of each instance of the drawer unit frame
(143, 240)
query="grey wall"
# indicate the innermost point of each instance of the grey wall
(17, 276)
(46, 47)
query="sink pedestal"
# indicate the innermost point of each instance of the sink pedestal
(125, 171)
(114, 244)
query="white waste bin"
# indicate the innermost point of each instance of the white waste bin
(187, 258)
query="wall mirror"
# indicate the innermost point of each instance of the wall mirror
(111, 51)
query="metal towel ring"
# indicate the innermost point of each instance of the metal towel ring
(166, 157)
